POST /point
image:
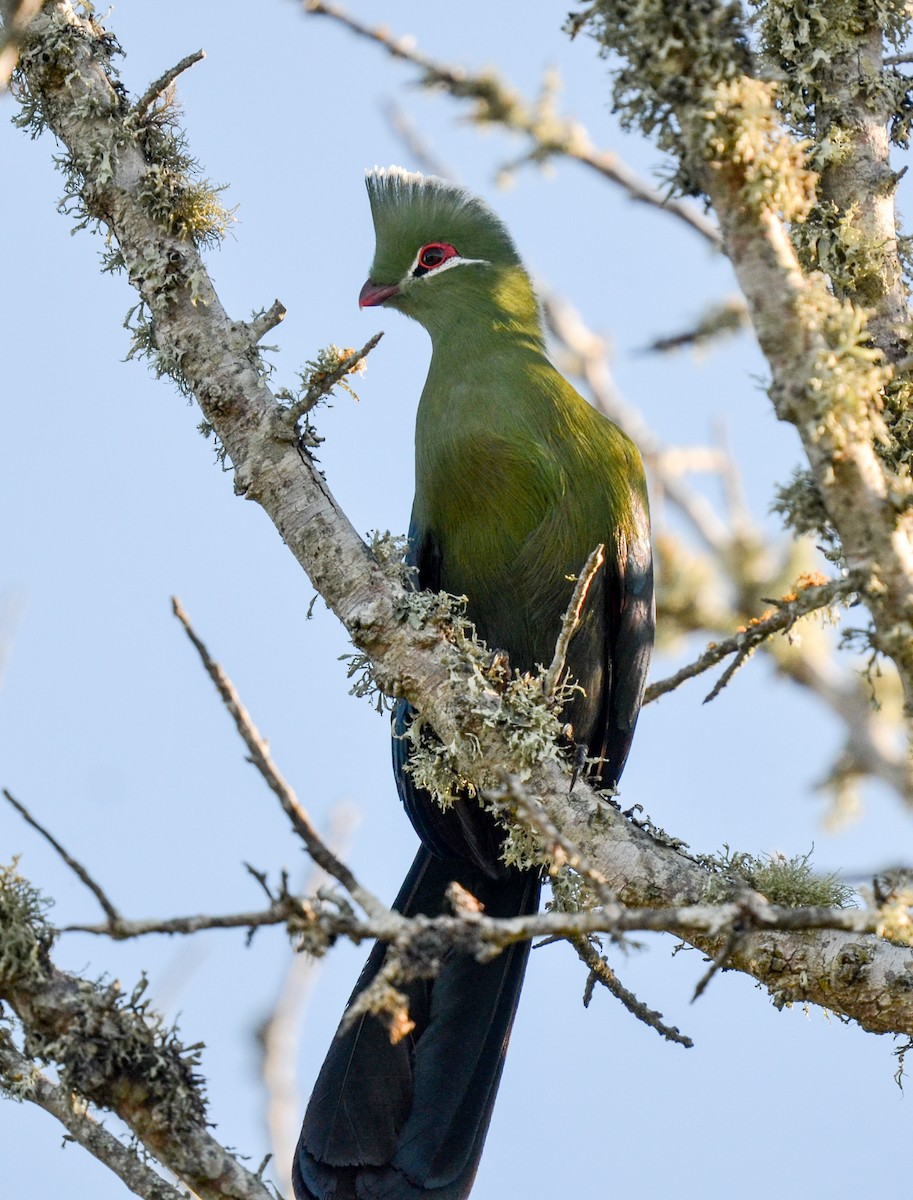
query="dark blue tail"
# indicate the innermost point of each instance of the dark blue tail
(408, 1121)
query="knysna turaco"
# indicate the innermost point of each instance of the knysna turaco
(517, 480)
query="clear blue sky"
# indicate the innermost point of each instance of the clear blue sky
(111, 733)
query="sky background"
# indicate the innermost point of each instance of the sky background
(110, 732)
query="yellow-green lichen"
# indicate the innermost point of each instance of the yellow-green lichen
(742, 135)
(789, 882)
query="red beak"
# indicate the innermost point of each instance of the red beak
(376, 293)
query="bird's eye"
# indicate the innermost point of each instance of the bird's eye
(433, 255)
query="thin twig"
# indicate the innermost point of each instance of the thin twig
(743, 655)
(278, 913)
(498, 104)
(601, 972)
(77, 868)
(742, 644)
(328, 381)
(720, 960)
(263, 761)
(154, 90)
(571, 621)
(720, 320)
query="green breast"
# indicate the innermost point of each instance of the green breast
(517, 481)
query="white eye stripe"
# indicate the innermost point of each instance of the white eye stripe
(456, 261)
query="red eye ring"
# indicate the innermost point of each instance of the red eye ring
(434, 255)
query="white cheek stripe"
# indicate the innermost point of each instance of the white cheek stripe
(456, 261)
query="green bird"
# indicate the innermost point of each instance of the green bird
(517, 480)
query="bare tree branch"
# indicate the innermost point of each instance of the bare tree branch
(496, 103)
(263, 761)
(744, 643)
(601, 972)
(80, 871)
(165, 82)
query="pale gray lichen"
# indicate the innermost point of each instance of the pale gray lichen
(571, 892)
(673, 54)
(111, 1048)
(803, 41)
(25, 935)
(802, 508)
(115, 1050)
(140, 324)
(531, 726)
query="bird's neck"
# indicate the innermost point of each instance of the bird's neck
(489, 315)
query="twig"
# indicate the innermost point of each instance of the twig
(328, 381)
(260, 325)
(719, 961)
(743, 655)
(262, 760)
(23, 1080)
(77, 868)
(725, 319)
(484, 934)
(571, 620)
(601, 972)
(278, 913)
(497, 104)
(745, 642)
(154, 90)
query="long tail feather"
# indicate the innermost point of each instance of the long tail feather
(408, 1121)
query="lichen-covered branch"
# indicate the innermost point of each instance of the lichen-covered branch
(22, 1080)
(112, 1050)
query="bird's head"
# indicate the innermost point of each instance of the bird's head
(441, 254)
